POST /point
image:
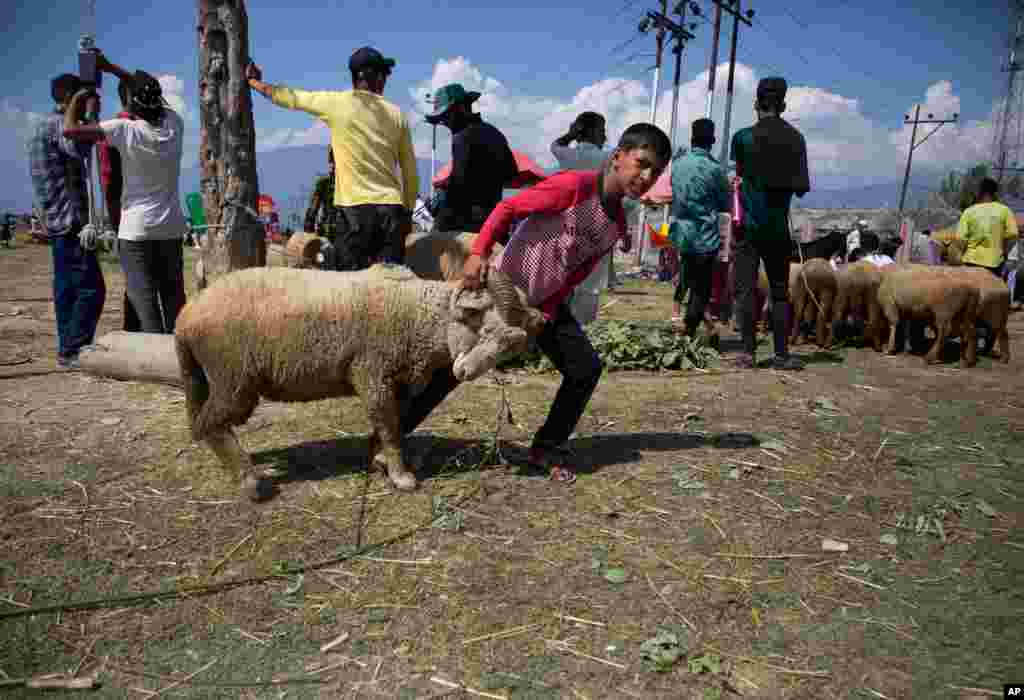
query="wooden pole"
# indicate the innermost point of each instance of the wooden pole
(724, 158)
(227, 151)
(713, 67)
(135, 357)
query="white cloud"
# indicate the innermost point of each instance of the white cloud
(16, 126)
(844, 145)
(272, 139)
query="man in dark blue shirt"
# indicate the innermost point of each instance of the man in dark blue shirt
(482, 162)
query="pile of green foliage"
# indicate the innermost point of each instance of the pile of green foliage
(645, 345)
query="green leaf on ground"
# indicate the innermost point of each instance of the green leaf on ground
(616, 575)
(709, 663)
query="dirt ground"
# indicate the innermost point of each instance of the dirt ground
(688, 561)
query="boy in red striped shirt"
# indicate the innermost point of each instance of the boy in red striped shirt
(554, 234)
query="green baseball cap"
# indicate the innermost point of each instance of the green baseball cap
(449, 95)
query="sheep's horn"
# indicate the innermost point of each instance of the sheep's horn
(506, 297)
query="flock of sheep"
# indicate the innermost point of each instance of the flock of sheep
(951, 299)
(304, 334)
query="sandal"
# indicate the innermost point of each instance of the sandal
(562, 474)
(540, 462)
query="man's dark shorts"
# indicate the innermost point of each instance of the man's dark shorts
(370, 233)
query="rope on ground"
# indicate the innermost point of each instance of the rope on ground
(211, 588)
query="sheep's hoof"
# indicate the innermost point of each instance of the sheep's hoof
(256, 489)
(403, 481)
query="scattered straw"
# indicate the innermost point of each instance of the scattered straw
(222, 562)
(410, 562)
(763, 556)
(717, 526)
(340, 639)
(570, 618)
(879, 450)
(861, 581)
(186, 679)
(465, 688)
(763, 497)
(668, 604)
(982, 691)
(502, 634)
(778, 669)
(563, 646)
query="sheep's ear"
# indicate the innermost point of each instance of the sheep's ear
(472, 300)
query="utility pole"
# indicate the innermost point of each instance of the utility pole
(914, 144)
(681, 36)
(713, 66)
(1011, 111)
(645, 26)
(736, 19)
(433, 147)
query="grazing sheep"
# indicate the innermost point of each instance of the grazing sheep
(922, 293)
(857, 294)
(993, 305)
(438, 255)
(306, 335)
(812, 288)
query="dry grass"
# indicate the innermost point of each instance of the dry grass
(506, 596)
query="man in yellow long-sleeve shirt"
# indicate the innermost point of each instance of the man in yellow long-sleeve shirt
(371, 142)
(987, 230)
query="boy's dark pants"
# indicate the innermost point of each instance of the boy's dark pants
(775, 255)
(565, 343)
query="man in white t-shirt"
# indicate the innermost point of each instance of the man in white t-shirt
(588, 131)
(869, 244)
(152, 227)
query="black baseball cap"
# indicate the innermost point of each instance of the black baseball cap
(368, 57)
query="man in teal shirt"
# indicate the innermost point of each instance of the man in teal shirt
(700, 191)
(771, 163)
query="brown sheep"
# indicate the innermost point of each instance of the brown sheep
(812, 288)
(920, 292)
(438, 256)
(993, 305)
(857, 294)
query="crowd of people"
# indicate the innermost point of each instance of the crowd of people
(558, 236)
(140, 154)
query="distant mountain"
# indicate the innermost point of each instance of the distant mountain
(287, 175)
(882, 196)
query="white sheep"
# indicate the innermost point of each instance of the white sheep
(306, 335)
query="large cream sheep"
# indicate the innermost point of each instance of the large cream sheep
(923, 293)
(993, 304)
(857, 294)
(438, 255)
(812, 288)
(305, 335)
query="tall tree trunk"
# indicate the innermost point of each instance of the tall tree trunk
(227, 150)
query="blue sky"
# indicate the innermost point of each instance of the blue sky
(854, 69)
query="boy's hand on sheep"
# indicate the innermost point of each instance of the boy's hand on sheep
(471, 270)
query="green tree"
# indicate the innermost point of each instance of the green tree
(960, 190)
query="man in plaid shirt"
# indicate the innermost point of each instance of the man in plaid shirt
(59, 171)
